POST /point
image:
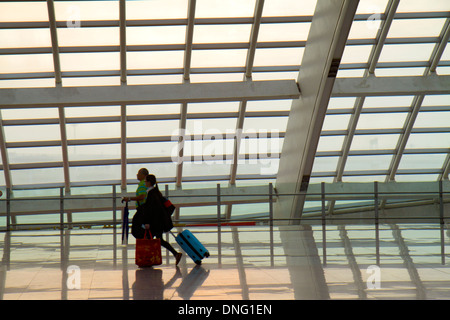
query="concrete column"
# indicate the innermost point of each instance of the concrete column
(324, 48)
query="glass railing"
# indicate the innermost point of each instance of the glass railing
(322, 204)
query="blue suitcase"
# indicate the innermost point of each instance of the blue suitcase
(190, 244)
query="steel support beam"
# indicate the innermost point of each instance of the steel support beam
(325, 45)
(148, 94)
(391, 86)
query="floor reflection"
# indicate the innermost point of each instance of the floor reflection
(246, 262)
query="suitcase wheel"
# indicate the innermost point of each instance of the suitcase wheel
(206, 254)
(198, 262)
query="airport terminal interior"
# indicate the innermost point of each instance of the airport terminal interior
(306, 144)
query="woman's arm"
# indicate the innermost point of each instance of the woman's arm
(138, 198)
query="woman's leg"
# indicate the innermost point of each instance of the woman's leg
(167, 245)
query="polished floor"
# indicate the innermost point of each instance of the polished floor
(247, 262)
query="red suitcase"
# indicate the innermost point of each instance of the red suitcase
(148, 251)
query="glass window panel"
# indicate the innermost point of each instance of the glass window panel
(443, 71)
(250, 208)
(91, 81)
(381, 121)
(262, 167)
(206, 168)
(321, 179)
(90, 61)
(265, 147)
(32, 133)
(257, 182)
(156, 35)
(437, 100)
(367, 163)
(29, 113)
(422, 161)
(28, 83)
(208, 149)
(37, 176)
(153, 109)
(25, 38)
(341, 103)
(205, 211)
(406, 52)
(220, 8)
(416, 177)
(367, 178)
(289, 8)
(218, 58)
(26, 63)
(152, 128)
(152, 149)
(94, 152)
(86, 10)
(23, 11)
(34, 155)
(93, 130)
(399, 72)
(278, 57)
(216, 77)
(269, 105)
(38, 219)
(154, 60)
(257, 76)
(351, 73)
(446, 54)
(91, 111)
(283, 31)
(371, 6)
(97, 36)
(39, 192)
(423, 6)
(336, 122)
(160, 170)
(356, 54)
(157, 9)
(330, 143)
(428, 140)
(2, 181)
(213, 107)
(403, 28)
(95, 173)
(211, 126)
(265, 124)
(374, 142)
(202, 185)
(395, 101)
(432, 119)
(162, 79)
(225, 33)
(325, 164)
(363, 29)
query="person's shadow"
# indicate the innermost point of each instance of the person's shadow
(149, 284)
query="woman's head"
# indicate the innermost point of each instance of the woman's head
(150, 180)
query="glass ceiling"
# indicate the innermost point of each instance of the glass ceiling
(380, 138)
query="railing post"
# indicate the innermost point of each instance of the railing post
(219, 225)
(377, 231)
(441, 220)
(8, 209)
(61, 208)
(324, 238)
(114, 206)
(272, 261)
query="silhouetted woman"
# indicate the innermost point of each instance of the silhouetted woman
(155, 217)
